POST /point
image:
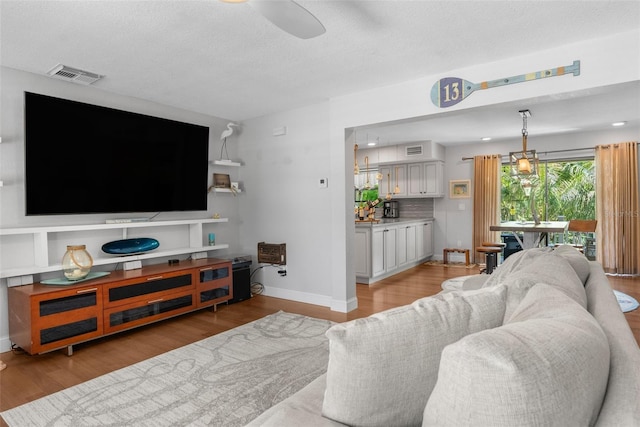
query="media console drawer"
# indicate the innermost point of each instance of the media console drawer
(44, 318)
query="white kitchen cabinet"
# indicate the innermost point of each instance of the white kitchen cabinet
(406, 244)
(434, 179)
(390, 248)
(394, 177)
(383, 250)
(401, 246)
(425, 179)
(424, 239)
(363, 252)
(411, 243)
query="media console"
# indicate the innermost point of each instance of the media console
(43, 318)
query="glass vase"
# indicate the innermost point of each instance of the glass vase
(76, 262)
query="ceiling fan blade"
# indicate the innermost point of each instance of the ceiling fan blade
(290, 17)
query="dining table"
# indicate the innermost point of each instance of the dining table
(532, 234)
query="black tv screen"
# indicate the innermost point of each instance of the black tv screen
(82, 159)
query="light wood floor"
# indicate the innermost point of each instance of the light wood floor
(27, 378)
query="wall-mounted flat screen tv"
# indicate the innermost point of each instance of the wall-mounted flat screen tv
(85, 159)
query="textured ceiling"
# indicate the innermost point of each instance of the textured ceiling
(227, 60)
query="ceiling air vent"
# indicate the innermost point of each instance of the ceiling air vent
(74, 75)
(414, 150)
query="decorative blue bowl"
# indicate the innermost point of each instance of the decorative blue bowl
(130, 246)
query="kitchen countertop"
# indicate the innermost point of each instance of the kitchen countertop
(393, 221)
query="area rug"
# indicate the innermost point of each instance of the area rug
(451, 264)
(627, 303)
(224, 380)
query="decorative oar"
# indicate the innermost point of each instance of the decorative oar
(451, 90)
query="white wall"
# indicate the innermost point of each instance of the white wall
(13, 85)
(283, 202)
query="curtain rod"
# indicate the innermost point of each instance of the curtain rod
(545, 152)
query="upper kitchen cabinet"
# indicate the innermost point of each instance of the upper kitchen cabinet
(394, 180)
(425, 179)
(419, 152)
(413, 152)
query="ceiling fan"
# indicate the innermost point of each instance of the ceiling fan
(288, 15)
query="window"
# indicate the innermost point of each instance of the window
(564, 188)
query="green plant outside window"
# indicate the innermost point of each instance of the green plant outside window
(563, 189)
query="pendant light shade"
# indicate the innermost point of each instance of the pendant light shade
(524, 164)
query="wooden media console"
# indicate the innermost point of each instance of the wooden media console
(43, 318)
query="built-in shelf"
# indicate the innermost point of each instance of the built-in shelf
(226, 190)
(226, 163)
(41, 236)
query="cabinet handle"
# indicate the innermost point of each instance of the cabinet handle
(153, 278)
(155, 301)
(205, 269)
(84, 291)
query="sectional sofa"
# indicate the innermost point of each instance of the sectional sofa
(540, 342)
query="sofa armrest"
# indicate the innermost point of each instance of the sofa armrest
(621, 406)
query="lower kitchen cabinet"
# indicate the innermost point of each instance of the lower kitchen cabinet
(363, 252)
(424, 239)
(383, 250)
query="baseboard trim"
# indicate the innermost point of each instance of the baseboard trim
(5, 344)
(315, 299)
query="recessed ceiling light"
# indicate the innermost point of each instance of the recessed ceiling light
(371, 144)
(618, 124)
(486, 138)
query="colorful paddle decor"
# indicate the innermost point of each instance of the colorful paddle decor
(451, 90)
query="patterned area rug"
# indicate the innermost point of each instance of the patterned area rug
(627, 302)
(451, 264)
(224, 380)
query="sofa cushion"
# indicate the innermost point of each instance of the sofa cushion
(578, 261)
(382, 368)
(524, 269)
(547, 367)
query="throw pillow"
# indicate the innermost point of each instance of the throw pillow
(548, 367)
(382, 368)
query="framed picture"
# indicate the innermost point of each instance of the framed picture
(221, 180)
(460, 189)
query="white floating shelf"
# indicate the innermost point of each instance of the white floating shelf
(226, 190)
(226, 163)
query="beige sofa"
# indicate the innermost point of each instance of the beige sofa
(541, 342)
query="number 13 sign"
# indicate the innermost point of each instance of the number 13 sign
(451, 90)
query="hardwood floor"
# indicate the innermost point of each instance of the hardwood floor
(27, 378)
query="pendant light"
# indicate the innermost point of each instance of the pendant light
(397, 189)
(379, 174)
(367, 184)
(356, 169)
(524, 164)
(388, 197)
